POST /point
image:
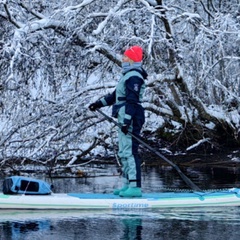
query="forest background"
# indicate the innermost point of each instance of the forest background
(58, 56)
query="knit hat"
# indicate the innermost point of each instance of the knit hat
(135, 53)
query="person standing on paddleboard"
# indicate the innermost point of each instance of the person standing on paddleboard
(126, 100)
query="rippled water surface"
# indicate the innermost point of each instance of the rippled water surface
(196, 223)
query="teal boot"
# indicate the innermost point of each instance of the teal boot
(125, 185)
(123, 189)
(131, 192)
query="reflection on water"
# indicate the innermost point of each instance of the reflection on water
(18, 228)
(132, 228)
(195, 223)
(199, 223)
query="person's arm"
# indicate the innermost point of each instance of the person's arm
(105, 101)
(109, 99)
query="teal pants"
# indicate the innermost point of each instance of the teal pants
(128, 149)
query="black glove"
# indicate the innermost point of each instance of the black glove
(95, 106)
(124, 128)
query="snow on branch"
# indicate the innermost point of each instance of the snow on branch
(34, 13)
(206, 9)
(157, 110)
(149, 2)
(3, 15)
(190, 17)
(111, 12)
(10, 16)
(20, 37)
(198, 143)
(88, 89)
(81, 5)
(150, 45)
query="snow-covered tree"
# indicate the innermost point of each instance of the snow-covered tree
(58, 56)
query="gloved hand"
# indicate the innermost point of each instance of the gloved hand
(124, 128)
(95, 106)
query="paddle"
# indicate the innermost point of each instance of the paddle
(183, 176)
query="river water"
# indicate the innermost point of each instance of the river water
(198, 223)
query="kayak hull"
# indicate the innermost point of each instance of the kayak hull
(230, 197)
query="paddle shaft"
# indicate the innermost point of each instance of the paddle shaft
(183, 176)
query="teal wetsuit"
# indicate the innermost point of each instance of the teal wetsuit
(126, 101)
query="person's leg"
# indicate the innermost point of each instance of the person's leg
(123, 161)
(133, 171)
(130, 151)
